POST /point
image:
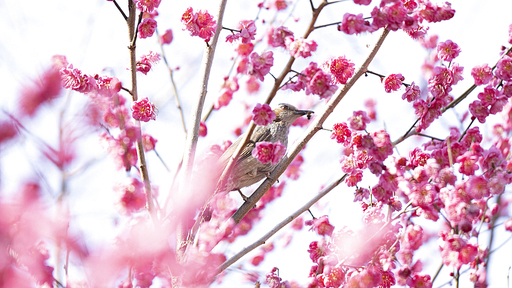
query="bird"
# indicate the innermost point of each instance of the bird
(248, 170)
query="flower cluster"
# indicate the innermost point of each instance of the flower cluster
(315, 81)
(247, 31)
(340, 68)
(199, 24)
(147, 6)
(267, 152)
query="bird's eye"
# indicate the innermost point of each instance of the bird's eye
(284, 106)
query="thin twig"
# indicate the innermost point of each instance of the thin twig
(173, 83)
(281, 224)
(121, 10)
(132, 35)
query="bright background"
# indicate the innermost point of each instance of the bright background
(93, 36)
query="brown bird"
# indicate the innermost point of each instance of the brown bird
(248, 170)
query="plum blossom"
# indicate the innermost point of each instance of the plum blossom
(147, 61)
(263, 114)
(147, 6)
(167, 37)
(504, 68)
(482, 74)
(143, 110)
(321, 226)
(259, 65)
(393, 82)
(341, 133)
(277, 37)
(267, 152)
(447, 50)
(247, 32)
(340, 68)
(359, 120)
(300, 47)
(412, 93)
(147, 27)
(353, 24)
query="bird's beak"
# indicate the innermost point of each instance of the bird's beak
(304, 112)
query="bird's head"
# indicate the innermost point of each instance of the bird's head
(287, 113)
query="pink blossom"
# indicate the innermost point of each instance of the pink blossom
(448, 50)
(252, 85)
(244, 49)
(412, 93)
(263, 114)
(341, 69)
(433, 14)
(508, 225)
(504, 68)
(147, 27)
(321, 226)
(393, 82)
(202, 129)
(72, 78)
(147, 61)
(418, 280)
(131, 196)
(467, 163)
(488, 96)
(148, 142)
(147, 5)
(321, 85)
(341, 133)
(259, 66)
(479, 110)
(457, 71)
(318, 249)
(429, 42)
(35, 93)
(7, 131)
(247, 32)
(300, 47)
(477, 187)
(199, 24)
(278, 4)
(277, 37)
(482, 74)
(359, 120)
(267, 152)
(59, 62)
(363, 2)
(167, 37)
(224, 98)
(353, 24)
(383, 147)
(354, 178)
(293, 170)
(143, 110)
